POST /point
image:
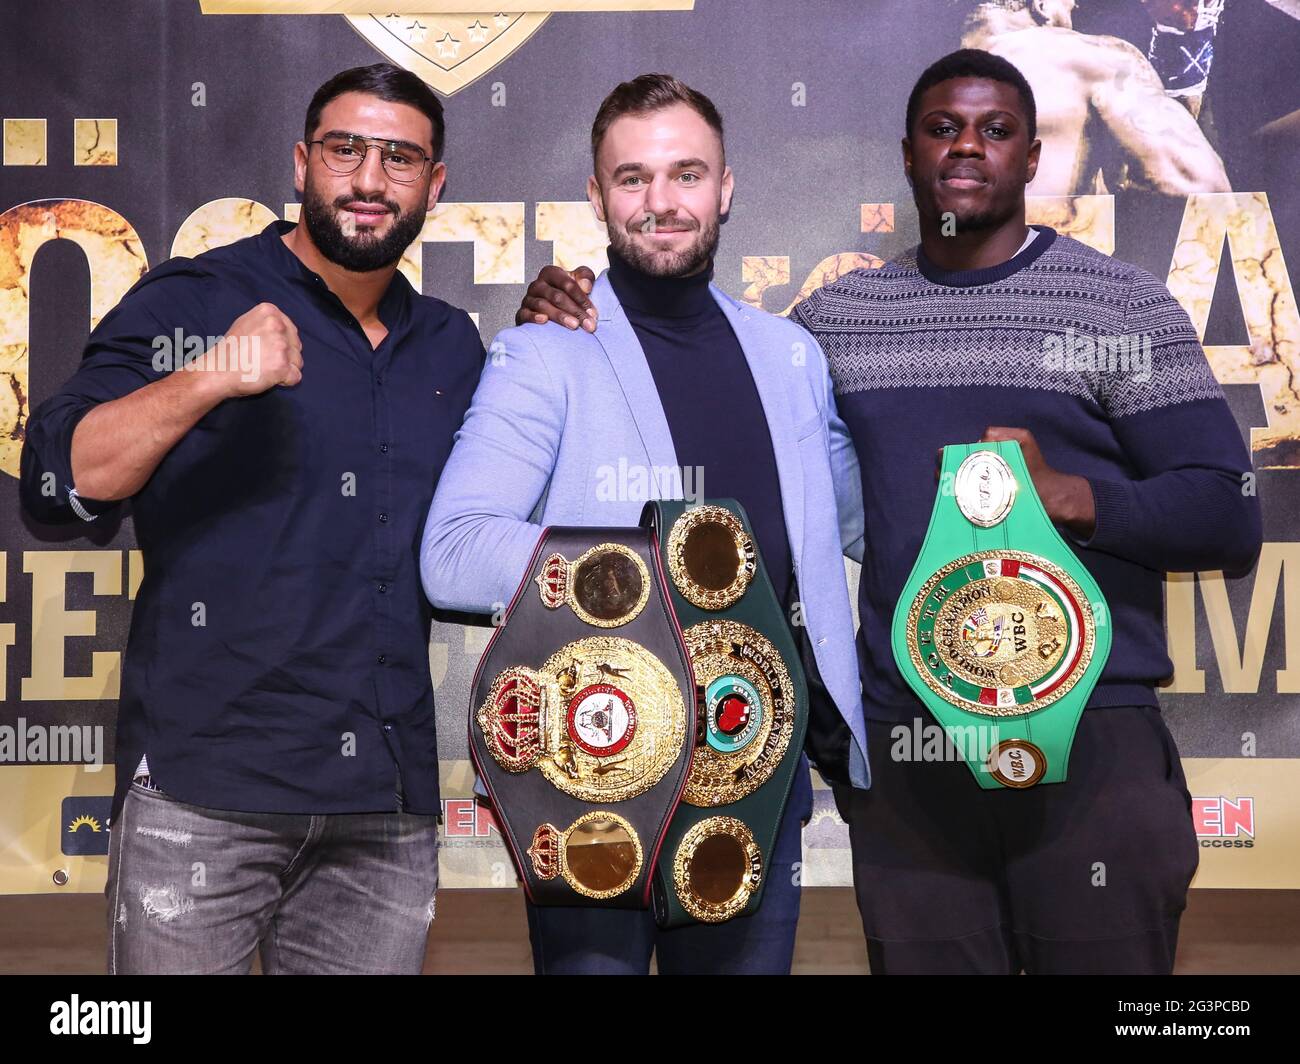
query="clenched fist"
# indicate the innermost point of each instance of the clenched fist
(261, 349)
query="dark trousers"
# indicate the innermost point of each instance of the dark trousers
(591, 941)
(1086, 876)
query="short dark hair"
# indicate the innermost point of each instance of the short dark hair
(388, 82)
(646, 94)
(973, 63)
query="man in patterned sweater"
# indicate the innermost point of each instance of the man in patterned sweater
(992, 330)
(1138, 461)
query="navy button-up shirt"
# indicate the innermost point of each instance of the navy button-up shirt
(278, 653)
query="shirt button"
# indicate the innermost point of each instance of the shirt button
(383, 519)
(387, 726)
(383, 448)
(382, 659)
(383, 589)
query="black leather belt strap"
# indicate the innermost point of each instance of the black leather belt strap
(582, 716)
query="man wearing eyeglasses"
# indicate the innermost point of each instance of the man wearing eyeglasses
(278, 411)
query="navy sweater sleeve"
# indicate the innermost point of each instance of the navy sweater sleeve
(1191, 503)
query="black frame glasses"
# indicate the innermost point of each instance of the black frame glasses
(390, 152)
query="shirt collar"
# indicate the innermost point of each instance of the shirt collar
(1027, 254)
(394, 306)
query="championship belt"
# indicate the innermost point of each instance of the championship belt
(583, 707)
(1000, 630)
(751, 712)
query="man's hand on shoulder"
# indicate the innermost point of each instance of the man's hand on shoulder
(560, 296)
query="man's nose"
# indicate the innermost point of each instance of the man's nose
(658, 197)
(369, 179)
(967, 142)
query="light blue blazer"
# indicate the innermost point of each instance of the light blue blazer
(566, 428)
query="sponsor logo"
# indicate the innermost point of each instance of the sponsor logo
(1224, 823)
(465, 818)
(84, 825)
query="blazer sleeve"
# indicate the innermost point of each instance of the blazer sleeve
(479, 536)
(845, 474)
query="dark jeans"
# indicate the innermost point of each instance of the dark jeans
(1085, 876)
(196, 890)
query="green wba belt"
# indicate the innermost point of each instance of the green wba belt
(1000, 630)
(752, 715)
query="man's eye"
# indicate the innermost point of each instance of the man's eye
(629, 180)
(690, 179)
(943, 130)
(345, 150)
(998, 131)
(398, 159)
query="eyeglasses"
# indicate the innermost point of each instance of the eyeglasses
(344, 152)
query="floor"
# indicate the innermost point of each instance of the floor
(484, 932)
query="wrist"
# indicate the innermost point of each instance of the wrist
(1074, 505)
(210, 382)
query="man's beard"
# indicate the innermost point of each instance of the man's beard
(362, 252)
(968, 221)
(666, 263)
(979, 221)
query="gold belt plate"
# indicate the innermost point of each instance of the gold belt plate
(738, 675)
(602, 719)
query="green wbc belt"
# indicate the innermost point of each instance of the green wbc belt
(752, 713)
(1000, 630)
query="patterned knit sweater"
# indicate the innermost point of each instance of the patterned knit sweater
(1102, 365)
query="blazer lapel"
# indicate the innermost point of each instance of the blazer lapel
(625, 354)
(769, 380)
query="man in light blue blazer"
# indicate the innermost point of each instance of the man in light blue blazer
(681, 393)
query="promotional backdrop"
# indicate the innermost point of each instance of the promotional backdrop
(138, 130)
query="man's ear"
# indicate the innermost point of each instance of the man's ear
(438, 179)
(1031, 169)
(907, 159)
(594, 197)
(728, 187)
(300, 151)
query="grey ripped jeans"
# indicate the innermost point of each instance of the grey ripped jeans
(196, 890)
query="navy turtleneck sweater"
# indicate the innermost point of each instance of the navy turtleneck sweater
(709, 398)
